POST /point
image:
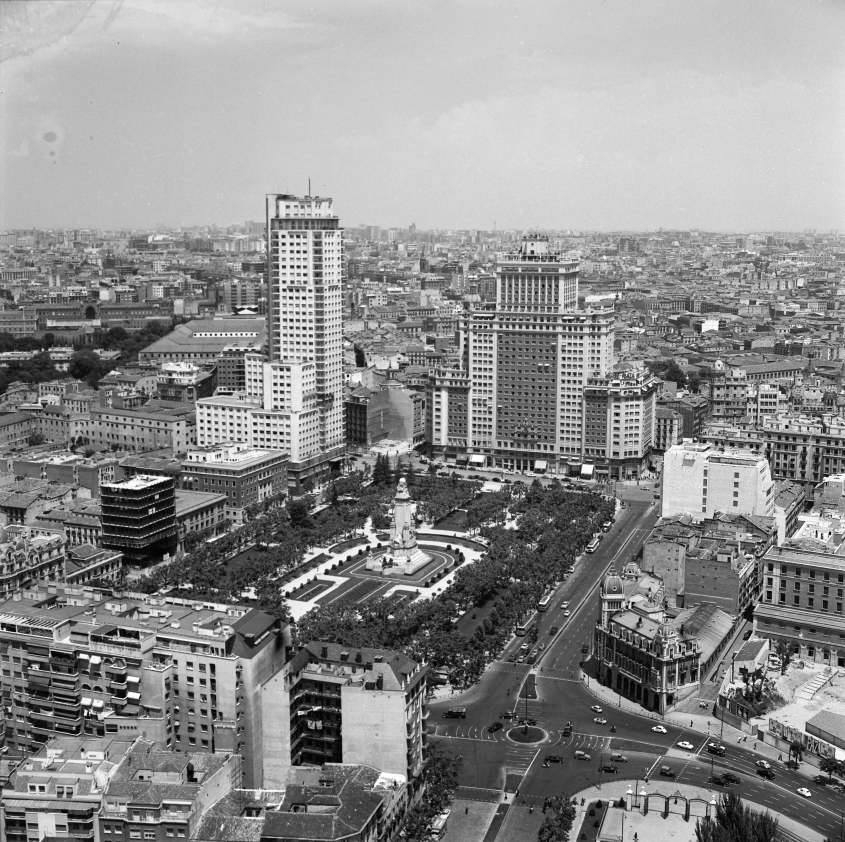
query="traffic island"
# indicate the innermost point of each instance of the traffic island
(527, 734)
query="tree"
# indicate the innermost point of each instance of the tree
(35, 438)
(382, 475)
(299, 514)
(830, 765)
(86, 365)
(557, 824)
(795, 749)
(675, 374)
(782, 651)
(736, 822)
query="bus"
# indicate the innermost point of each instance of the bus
(438, 826)
(593, 545)
(526, 624)
(544, 602)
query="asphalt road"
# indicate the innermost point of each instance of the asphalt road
(493, 761)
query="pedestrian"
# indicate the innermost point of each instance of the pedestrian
(531, 809)
(690, 723)
(466, 811)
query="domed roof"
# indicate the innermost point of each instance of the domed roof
(612, 583)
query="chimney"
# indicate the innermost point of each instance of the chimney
(324, 652)
(379, 659)
(344, 656)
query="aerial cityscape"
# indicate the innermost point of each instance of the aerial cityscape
(422, 422)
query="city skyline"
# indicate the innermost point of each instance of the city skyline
(565, 116)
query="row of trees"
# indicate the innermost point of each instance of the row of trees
(735, 821)
(439, 777)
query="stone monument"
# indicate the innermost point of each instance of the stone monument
(404, 554)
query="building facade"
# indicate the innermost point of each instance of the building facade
(801, 603)
(333, 704)
(526, 364)
(699, 480)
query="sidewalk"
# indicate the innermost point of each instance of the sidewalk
(708, 726)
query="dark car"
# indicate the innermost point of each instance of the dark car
(730, 777)
(667, 772)
(554, 630)
(821, 780)
(747, 634)
(506, 715)
(609, 768)
(719, 780)
(527, 721)
(553, 758)
(496, 726)
(768, 774)
(585, 649)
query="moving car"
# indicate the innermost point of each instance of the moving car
(496, 726)
(768, 774)
(564, 605)
(763, 764)
(687, 746)
(599, 720)
(609, 768)
(667, 772)
(716, 748)
(582, 755)
(659, 729)
(456, 713)
(553, 758)
(567, 613)
(618, 757)
(596, 709)
(804, 792)
(730, 777)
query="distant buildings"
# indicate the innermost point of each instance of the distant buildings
(202, 340)
(699, 480)
(27, 556)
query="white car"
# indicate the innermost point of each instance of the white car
(684, 744)
(596, 709)
(564, 605)
(599, 720)
(567, 613)
(803, 791)
(764, 764)
(659, 729)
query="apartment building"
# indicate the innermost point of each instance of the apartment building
(801, 603)
(246, 475)
(139, 517)
(28, 556)
(87, 662)
(668, 426)
(56, 793)
(157, 794)
(699, 480)
(619, 423)
(802, 448)
(15, 429)
(201, 341)
(336, 704)
(185, 382)
(142, 429)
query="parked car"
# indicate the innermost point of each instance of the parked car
(554, 629)
(821, 780)
(564, 605)
(496, 726)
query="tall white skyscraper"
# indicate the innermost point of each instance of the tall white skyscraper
(294, 401)
(305, 308)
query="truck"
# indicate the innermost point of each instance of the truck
(456, 713)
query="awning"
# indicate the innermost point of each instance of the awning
(133, 696)
(587, 470)
(86, 702)
(477, 459)
(133, 679)
(96, 659)
(83, 655)
(98, 704)
(540, 465)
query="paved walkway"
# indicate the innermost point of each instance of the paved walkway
(704, 724)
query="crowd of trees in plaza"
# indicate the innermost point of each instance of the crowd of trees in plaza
(520, 564)
(279, 536)
(557, 824)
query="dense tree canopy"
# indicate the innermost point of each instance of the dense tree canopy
(736, 822)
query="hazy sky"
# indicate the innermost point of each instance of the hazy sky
(721, 114)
